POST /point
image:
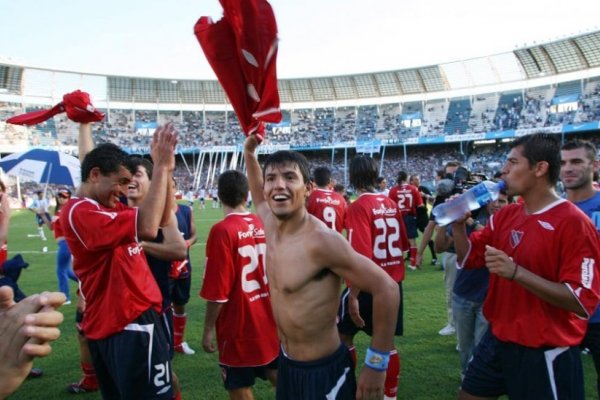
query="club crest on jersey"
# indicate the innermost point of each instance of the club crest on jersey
(515, 238)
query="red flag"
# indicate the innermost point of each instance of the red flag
(242, 49)
(77, 104)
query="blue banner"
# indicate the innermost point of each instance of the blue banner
(569, 98)
(585, 126)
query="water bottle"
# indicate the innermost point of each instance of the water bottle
(474, 198)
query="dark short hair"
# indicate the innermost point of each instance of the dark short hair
(233, 188)
(590, 150)
(107, 157)
(2, 187)
(137, 161)
(363, 172)
(283, 157)
(322, 176)
(539, 147)
(402, 177)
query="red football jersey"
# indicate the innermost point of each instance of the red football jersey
(57, 226)
(376, 230)
(235, 275)
(407, 197)
(115, 279)
(329, 207)
(558, 243)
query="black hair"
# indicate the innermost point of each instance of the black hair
(539, 147)
(232, 188)
(402, 177)
(107, 157)
(283, 157)
(136, 161)
(322, 176)
(363, 172)
(590, 150)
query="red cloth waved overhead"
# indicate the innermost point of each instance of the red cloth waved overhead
(242, 49)
(77, 105)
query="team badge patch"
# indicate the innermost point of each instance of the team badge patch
(515, 238)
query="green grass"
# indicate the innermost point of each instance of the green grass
(430, 366)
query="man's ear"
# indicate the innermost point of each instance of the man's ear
(541, 168)
(94, 175)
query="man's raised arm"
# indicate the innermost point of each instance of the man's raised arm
(85, 141)
(255, 175)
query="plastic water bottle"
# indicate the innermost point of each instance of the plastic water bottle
(474, 198)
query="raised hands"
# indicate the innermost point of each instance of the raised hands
(163, 146)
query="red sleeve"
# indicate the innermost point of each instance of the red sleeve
(219, 273)
(111, 227)
(358, 227)
(477, 241)
(418, 198)
(579, 264)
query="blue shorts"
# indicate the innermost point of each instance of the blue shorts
(135, 363)
(365, 304)
(331, 377)
(410, 223)
(241, 377)
(180, 290)
(524, 373)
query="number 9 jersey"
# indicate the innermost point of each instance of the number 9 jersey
(235, 275)
(376, 230)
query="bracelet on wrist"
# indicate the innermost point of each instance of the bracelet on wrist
(377, 360)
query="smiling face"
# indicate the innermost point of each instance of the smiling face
(139, 185)
(285, 189)
(577, 169)
(109, 188)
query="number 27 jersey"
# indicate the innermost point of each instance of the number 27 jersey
(376, 230)
(235, 276)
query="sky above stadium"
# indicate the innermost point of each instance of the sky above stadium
(153, 38)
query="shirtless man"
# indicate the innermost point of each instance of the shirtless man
(306, 262)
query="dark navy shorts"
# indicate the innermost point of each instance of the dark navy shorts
(180, 290)
(330, 378)
(40, 220)
(134, 363)
(410, 223)
(241, 377)
(523, 373)
(365, 303)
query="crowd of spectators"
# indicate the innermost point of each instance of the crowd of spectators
(325, 126)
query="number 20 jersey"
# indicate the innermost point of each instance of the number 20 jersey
(376, 230)
(235, 275)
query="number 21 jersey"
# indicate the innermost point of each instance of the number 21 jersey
(235, 275)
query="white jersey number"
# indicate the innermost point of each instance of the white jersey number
(329, 216)
(253, 253)
(388, 235)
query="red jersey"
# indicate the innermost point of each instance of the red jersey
(57, 226)
(558, 243)
(329, 207)
(376, 230)
(114, 277)
(235, 276)
(407, 197)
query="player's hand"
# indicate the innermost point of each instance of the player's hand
(162, 148)
(27, 329)
(354, 311)
(370, 384)
(208, 343)
(418, 260)
(498, 262)
(250, 144)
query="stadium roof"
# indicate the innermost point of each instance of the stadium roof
(577, 53)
